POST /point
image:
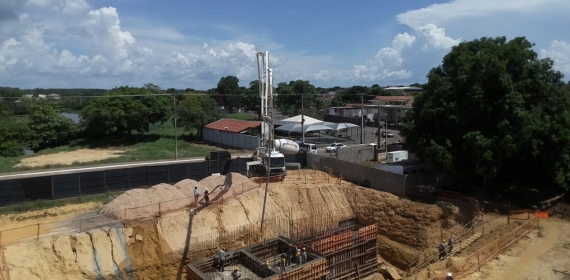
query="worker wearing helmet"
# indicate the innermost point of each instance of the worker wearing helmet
(442, 250)
(236, 274)
(282, 264)
(449, 276)
(304, 255)
(450, 243)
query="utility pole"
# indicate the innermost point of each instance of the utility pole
(362, 118)
(175, 128)
(303, 117)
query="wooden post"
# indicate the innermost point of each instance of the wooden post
(38, 233)
(478, 263)
(159, 209)
(80, 224)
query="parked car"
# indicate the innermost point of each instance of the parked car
(221, 155)
(387, 134)
(334, 147)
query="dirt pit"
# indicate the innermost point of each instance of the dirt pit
(69, 158)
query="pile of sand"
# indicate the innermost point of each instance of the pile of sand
(177, 196)
(69, 158)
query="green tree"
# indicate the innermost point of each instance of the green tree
(291, 98)
(196, 111)
(228, 92)
(250, 98)
(495, 111)
(13, 133)
(126, 109)
(47, 127)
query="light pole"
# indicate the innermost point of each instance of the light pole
(303, 117)
(175, 127)
(218, 138)
(362, 117)
(226, 135)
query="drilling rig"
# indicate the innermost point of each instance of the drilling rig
(269, 157)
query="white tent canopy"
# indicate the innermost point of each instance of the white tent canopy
(296, 127)
(338, 126)
(297, 119)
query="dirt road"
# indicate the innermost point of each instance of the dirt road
(536, 256)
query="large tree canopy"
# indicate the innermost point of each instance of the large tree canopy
(196, 111)
(47, 127)
(495, 111)
(124, 109)
(298, 97)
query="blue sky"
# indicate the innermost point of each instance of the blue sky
(181, 43)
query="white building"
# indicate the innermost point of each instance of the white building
(392, 108)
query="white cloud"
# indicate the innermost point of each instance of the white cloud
(462, 9)
(436, 38)
(71, 7)
(559, 52)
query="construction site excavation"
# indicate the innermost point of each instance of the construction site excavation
(347, 231)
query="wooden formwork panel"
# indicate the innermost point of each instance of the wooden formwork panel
(191, 274)
(310, 271)
(333, 243)
(345, 260)
(367, 233)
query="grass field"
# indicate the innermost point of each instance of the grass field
(157, 144)
(241, 116)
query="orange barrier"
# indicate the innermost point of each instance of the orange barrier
(543, 215)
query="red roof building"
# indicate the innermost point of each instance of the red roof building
(235, 126)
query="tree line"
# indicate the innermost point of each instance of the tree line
(118, 113)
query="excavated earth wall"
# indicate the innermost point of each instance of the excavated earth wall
(154, 248)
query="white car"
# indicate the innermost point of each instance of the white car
(372, 144)
(334, 146)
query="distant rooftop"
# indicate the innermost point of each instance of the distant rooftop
(403, 88)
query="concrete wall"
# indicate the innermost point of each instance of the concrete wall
(361, 175)
(355, 154)
(231, 139)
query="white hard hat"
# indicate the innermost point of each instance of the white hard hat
(449, 274)
(206, 188)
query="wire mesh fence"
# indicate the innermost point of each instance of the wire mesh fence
(133, 213)
(489, 251)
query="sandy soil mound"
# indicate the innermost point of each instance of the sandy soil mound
(186, 186)
(178, 196)
(68, 158)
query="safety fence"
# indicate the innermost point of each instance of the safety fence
(132, 213)
(488, 252)
(76, 182)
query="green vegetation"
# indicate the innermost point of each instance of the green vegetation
(158, 144)
(495, 114)
(241, 116)
(36, 205)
